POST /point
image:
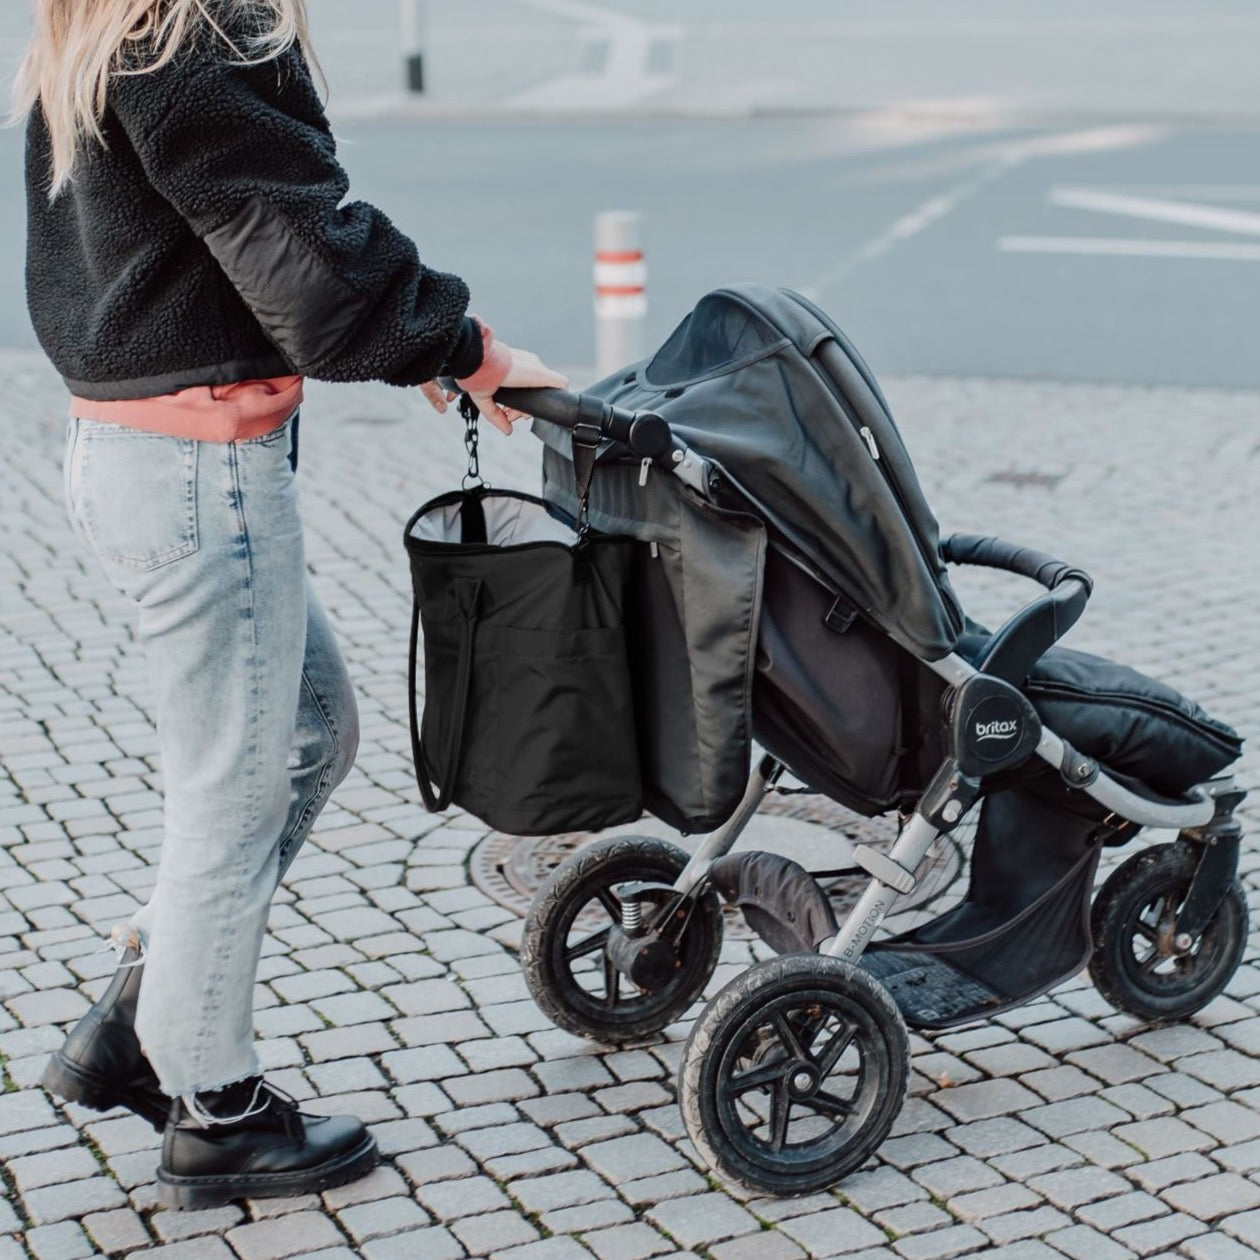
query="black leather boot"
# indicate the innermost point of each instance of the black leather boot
(101, 1064)
(249, 1141)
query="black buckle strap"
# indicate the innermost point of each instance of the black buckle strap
(840, 616)
(586, 439)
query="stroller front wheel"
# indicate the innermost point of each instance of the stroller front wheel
(794, 1074)
(1138, 965)
(571, 932)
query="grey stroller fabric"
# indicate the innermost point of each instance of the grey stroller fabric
(763, 383)
(691, 629)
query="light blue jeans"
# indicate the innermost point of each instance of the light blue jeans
(255, 713)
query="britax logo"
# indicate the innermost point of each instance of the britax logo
(996, 730)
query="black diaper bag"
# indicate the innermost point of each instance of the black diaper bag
(528, 719)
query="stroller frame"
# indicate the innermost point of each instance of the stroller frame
(944, 803)
(785, 1026)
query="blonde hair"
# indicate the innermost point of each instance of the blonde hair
(79, 45)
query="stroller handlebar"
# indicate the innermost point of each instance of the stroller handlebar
(644, 432)
(1012, 652)
(996, 553)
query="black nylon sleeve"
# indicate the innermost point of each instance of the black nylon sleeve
(246, 156)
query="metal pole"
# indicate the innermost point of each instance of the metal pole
(620, 290)
(412, 22)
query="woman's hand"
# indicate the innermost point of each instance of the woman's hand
(528, 371)
(438, 397)
(525, 371)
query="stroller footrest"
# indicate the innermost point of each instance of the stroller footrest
(929, 992)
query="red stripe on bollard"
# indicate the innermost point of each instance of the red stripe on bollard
(620, 277)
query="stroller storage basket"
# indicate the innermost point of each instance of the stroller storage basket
(528, 716)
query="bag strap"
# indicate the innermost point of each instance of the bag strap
(437, 801)
(586, 438)
(472, 519)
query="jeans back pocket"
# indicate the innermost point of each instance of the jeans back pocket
(134, 494)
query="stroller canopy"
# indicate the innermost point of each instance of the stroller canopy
(761, 382)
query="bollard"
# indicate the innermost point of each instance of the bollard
(620, 290)
(411, 16)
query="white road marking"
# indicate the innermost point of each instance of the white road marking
(626, 76)
(1191, 192)
(1128, 247)
(1187, 213)
(998, 159)
(1156, 209)
(1089, 140)
(909, 225)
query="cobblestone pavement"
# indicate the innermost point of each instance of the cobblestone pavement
(389, 986)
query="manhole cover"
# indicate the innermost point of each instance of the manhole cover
(812, 830)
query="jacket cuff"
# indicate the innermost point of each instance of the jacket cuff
(468, 351)
(496, 363)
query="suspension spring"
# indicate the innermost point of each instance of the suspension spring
(631, 916)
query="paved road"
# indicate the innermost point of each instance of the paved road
(941, 249)
(389, 985)
(1099, 223)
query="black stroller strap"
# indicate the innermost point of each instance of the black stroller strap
(472, 520)
(585, 446)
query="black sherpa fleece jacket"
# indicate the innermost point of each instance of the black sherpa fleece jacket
(207, 243)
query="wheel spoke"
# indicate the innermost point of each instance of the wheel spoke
(780, 1109)
(787, 1035)
(610, 903)
(757, 1078)
(1150, 962)
(612, 983)
(840, 1041)
(1146, 932)
(587, 945)
(828, 1104)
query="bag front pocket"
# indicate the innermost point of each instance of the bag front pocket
(454, 746)
(567, 755)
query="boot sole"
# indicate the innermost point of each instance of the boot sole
(71, 1083)
(192, 1193)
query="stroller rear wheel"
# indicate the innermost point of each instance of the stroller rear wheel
(794, 1074)
(575, 919)
(1139, 965)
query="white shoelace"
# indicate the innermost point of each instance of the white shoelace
(207, 1119)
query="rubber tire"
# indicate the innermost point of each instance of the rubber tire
(607, 862)
(722, 1018)
(1128, 889)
